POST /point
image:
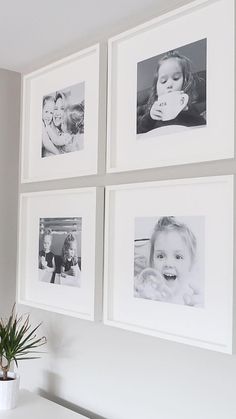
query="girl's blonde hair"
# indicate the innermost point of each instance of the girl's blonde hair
(66, 246)
(167, 224)
(48, 98)
(60, 95)
(74, 118)
(47, 232)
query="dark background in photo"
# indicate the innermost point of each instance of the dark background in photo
(196, 52)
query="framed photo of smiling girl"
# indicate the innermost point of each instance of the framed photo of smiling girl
(166, 272)
(60, 118)
(163, 80)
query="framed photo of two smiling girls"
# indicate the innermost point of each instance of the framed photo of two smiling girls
(167, 100)
(60, 118)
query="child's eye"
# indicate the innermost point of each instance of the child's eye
(179, 256)
(160, 256)
(176, 76)
(163, 80)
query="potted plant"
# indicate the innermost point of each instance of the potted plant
(18, 341)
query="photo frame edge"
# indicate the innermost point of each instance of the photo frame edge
(25, 176)
(178, 11)
(20, 283)
(230, 345)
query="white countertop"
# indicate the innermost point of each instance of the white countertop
(32, 406)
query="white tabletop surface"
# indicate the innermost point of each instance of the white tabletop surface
(32, 406)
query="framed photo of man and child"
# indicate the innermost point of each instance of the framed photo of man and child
(162, 87)
(59, 266)
(166, 271)
(60, 118)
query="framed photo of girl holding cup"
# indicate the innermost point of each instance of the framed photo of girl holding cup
(163, 83)
(171, 90)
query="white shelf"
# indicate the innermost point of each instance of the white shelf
(33, 406)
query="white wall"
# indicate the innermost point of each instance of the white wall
(95, 368)
(9, 149)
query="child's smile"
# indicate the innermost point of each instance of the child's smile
(47, 241)
(48, 111)
(71, 251)
(172, 259)
(58, 112)
(169, 276)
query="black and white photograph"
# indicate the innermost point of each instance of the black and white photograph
(171, 91)
(169, 259)
(60, 251)
(63, 121)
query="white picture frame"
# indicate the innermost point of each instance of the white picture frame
(76, 78)
(170, 145)
(203, 325)
(70, 295)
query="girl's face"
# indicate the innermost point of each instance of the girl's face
(170, 77)
(172, 259)
(72, 250)
(48, 111)
(47, 241)
(58, 114)
(64, 127)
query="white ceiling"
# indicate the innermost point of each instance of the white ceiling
(34, 33)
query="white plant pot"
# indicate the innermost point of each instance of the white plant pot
(9, 391)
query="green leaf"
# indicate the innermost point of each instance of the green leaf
(18, 339)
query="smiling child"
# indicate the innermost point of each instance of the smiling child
(172, 256)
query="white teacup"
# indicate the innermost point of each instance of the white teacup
(172, 104)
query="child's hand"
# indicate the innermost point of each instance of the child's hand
(194, 298)
(63, 274)
(67, 138)
(156, 111)
(150, 284)
(74, 270)
(140, 263)
(44, 262)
